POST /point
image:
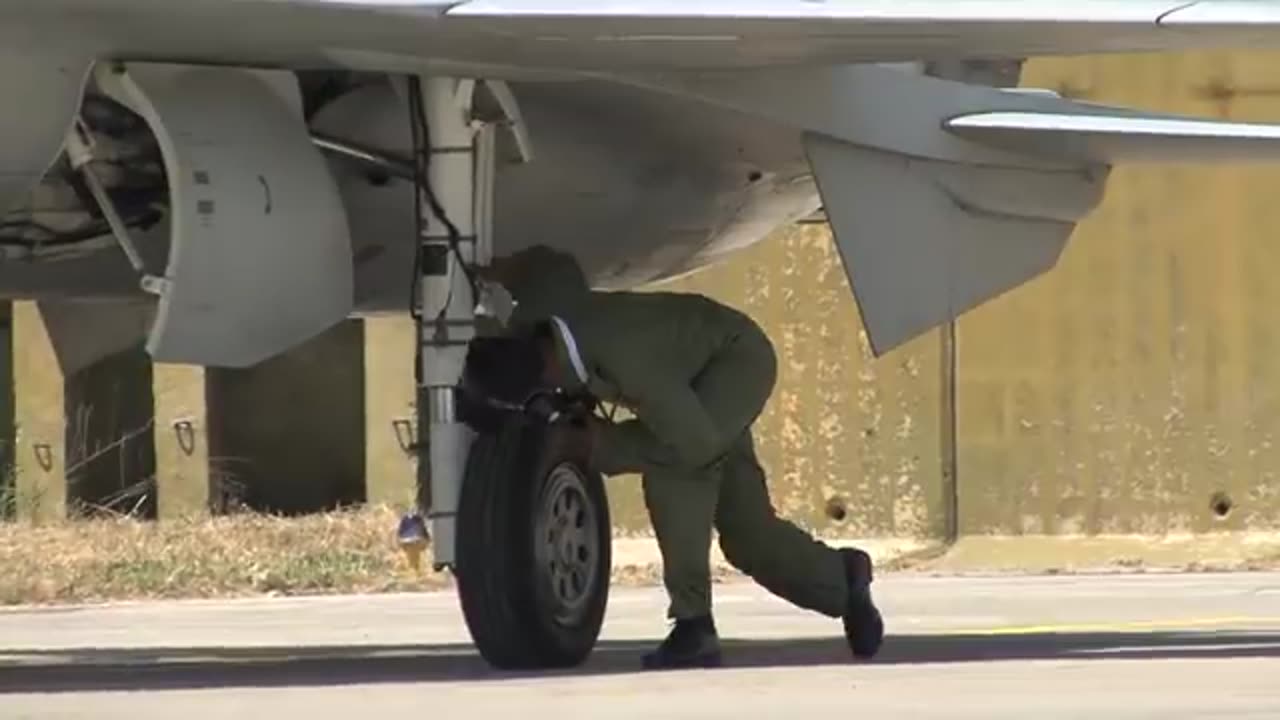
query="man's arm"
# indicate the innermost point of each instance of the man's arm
(672, 429)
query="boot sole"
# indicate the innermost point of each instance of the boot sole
(863, 608)
(863, 649)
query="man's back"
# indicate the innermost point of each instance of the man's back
(633, 335)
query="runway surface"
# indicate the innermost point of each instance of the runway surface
(1115, 647)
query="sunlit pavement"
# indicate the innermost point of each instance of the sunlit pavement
(1106, 646)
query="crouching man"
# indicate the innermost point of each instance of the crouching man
(695, 374)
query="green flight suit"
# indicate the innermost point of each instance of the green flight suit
(696, 374)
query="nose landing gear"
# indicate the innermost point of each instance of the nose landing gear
(534, 552)
(516, 511)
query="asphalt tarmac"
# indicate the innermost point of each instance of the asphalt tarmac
(1172, 647)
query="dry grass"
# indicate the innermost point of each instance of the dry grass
(239, 555)
(343, 552)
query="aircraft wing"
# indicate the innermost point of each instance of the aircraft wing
(715, 32)
(621, 35)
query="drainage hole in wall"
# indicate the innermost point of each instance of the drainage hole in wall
(1221, 504)
(837, 509)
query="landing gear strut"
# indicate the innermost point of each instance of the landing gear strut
(518, 513)
(449, 247)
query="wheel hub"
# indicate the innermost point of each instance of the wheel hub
(566, 543)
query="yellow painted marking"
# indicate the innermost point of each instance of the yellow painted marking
(1116, 627)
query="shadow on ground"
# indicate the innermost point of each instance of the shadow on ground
(46, 671)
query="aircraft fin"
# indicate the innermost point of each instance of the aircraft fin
(924, 241)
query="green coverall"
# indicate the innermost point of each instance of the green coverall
(695, 374)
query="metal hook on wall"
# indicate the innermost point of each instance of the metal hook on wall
(185, 432)
(44, 456)
(406, 435)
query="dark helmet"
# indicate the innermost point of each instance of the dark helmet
(500, 376)
(506, 369)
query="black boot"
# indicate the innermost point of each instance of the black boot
(692, 643)
(863, 626)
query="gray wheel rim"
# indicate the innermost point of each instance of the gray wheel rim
(567, 544)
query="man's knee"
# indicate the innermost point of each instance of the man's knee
(764, 355)
(753, 364)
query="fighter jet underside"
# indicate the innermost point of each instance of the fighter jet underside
(247, 173)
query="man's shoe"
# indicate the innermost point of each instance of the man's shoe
(692, 643)
(863, 626)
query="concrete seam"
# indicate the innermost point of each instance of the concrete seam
(947, 435)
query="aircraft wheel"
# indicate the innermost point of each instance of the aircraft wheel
(534, 546)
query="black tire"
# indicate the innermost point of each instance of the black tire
(517, 593)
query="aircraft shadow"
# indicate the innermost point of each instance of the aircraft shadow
(83, 670)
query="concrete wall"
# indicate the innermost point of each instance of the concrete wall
(124, 435)
(81, 437)
(1137, 388)
(290, 431)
